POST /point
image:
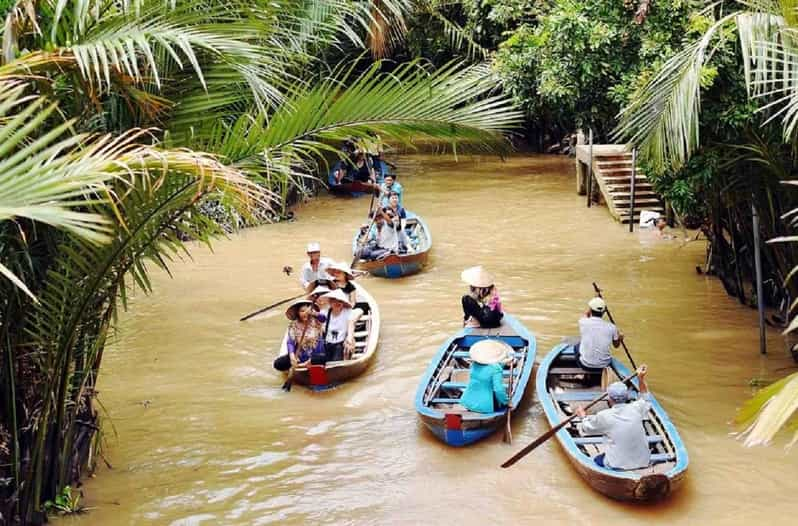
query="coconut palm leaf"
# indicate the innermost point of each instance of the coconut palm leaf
(770, 410)
(662, 119)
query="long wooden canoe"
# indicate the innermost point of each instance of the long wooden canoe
(440, 389)
(561, 385)
(367, 335)
(398, 265)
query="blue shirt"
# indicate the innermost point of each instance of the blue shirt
(396, 187)
(484, 383)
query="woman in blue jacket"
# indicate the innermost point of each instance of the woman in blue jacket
(486, 392)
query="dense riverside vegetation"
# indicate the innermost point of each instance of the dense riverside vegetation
(119, 120)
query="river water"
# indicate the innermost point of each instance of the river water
(199, 432)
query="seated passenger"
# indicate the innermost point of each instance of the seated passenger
(481, 306)
(337, 174)
(305, 339)
(485, 392)
(593, 350)
(622, 424)
(381, 240)
(339, 327)
(317, 293)
(342, 280)
(395, 207)
(390, 185)
(362, 171)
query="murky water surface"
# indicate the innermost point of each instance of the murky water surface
(202, 434)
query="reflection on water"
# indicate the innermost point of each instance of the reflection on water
(220, 443)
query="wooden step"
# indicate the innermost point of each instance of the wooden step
(614, 157)
(620, 178)
(639, 186)
(638, 193)
(639, 203)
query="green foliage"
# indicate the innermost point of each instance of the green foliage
(65, 503)
(579, 60)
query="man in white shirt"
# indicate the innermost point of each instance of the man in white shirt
(596, 335)
(622, 425)
(315, 269)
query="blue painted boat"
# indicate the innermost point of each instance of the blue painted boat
(447, 377)
(399, 265)
(562, 384)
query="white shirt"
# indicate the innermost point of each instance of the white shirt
(338, 326)
(596, 338)
(622, 424)
(308, 274)
(385, 237)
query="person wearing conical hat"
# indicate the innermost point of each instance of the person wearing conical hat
(481, 306)
(342, 277)
(596, 335)
(339, 326)
(305, 338)
(486, 392)
(314, 270)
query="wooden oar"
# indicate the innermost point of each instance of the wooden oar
(273, 305)
(553, 431)
(508, 432)
(364, 236)
(609, 315)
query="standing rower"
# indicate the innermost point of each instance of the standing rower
(315, 269)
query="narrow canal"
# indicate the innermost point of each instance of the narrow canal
(200, 432)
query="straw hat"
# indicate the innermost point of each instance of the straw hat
(319, 290)
(291, 311)
(477, 277)
(487, 352)
(313, 247)
(597, 304)
(338, 295)
(342, 267)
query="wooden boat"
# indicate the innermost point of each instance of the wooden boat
(367, 334)
(399, 265)
(447, 377)
(354, 188)
(562, 384)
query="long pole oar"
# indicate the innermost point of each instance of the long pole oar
(553, 431)
(612, 320)
(364, 235)
(508, 432)
(273, 305)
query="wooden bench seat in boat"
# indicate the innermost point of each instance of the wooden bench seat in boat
(582, 396)
(464, 354)
(583, 441)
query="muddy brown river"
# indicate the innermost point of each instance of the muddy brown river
(199, 433)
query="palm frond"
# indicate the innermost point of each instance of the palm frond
(663, 118)
(767, 412)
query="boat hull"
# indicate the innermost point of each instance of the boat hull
(647, 484)
(453, 424)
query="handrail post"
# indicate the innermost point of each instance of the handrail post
(589, 184)
(632, 191)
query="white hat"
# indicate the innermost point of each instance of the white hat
(338, 295)
(320, 289)
(291, 311)
(489, 351)
(477, 277)
(597, 304)
(342, 267)
(313, 247)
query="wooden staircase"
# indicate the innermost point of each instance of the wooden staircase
(613, 172)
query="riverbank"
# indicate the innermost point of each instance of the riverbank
(205, 435)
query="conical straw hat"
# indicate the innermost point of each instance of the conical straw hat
(291, 311)
(477, 277)
(490, 351)
(342, 267)
(339, 295)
